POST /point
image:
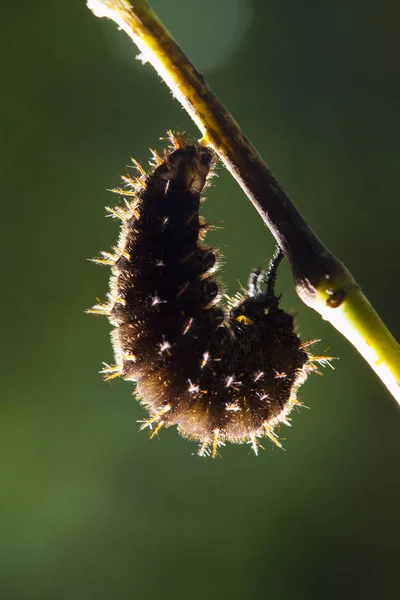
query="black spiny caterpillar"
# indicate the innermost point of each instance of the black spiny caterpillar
(218, 373)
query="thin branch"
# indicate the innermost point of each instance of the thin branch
(321, 280)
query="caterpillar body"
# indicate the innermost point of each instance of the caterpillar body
(219, 372)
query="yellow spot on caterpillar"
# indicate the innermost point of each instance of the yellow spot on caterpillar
(244, 320)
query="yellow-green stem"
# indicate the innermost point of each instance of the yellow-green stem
(321, 280)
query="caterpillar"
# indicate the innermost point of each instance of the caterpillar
(219, 372)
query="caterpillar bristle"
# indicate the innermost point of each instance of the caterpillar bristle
(111, 371)
(322, 360)
(296, 402)
(204, 449)
(124, 192)
(121, 252)
(131, 183)
(222, 369)
(309, 343)
(177, 141)
(216, 442)
(102, 261)
(99, 309)
(156, 158)
(139, 167)
(272, 435)
(255, 445)
(118, 213)
(155, 419)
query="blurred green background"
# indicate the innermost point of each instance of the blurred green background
(90, 509)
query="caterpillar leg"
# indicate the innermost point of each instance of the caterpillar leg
(258, 277)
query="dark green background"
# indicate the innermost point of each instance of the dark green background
(90, 509)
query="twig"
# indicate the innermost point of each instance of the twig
(321, 280)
